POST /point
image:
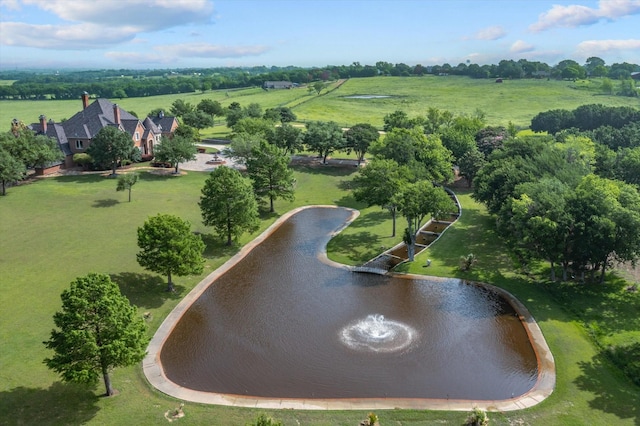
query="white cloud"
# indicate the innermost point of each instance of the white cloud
(102, 23)
(147, 15)
(576, 15)
(71, 37)
(521, 47)
(490, 33)
(597, 47)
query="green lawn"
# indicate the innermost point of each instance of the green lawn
(56, 229)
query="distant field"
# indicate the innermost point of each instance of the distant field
(514, 100)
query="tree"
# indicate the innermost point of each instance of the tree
(234, 113)
(324, 137)
(399, 120)
(606, 86)
(167, 246)
(228, 203)
(359, 137)
(110, 146)
(126, 182)
(211, 107)
(281, 114)
(378, 182)
(179, 108)
(539, 222)
(241, 147)
(469, 165)
(175, 150)
(317, 87)
(269, 171)
(98, 330)
(287, 138)
(198, 120)
(423, 154)
(11, 169)
(417, 200)
(490, 138)
(253, 126)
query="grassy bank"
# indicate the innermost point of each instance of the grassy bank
(56, 229)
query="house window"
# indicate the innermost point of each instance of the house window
(137, 136)
(79, 145)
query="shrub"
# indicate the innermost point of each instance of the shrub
(478, 417)
(263, 420)
(467, 262)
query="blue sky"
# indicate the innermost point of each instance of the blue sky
(203, 33)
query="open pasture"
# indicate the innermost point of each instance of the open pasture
(513, 100)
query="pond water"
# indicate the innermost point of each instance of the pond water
(282, 323)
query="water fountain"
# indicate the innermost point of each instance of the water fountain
(377, 334)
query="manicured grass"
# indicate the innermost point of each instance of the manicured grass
(56, 229)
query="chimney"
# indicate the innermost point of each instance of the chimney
(85, 100)
(43, 124)
(116, 113)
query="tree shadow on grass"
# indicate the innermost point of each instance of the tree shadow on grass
(146, 290)
(215, 247)
(81, 178)
(359, 247)
(109, 202)
(621, 402)
(326, 170)
(61, 404)
(372, 218)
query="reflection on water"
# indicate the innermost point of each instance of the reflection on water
(283, 324)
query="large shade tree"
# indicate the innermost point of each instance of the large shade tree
(110, 146)
(97, 331)
(269, 171)
(324, 137)
(21, 149)
(228, 203)
(167, 246)
(176, 150)
(287, 138)
(359, 137)
(378, 182)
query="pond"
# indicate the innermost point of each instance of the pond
(284, 322)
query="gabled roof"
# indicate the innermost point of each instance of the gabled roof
(88, 122)
(55, 131)
(163, 122)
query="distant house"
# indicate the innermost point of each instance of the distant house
(635, 75)
(277, 85)
(74, 135)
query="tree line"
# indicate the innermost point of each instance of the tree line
(114, 84)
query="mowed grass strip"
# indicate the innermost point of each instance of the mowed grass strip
(56, 229)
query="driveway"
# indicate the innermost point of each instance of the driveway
(202, 161)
